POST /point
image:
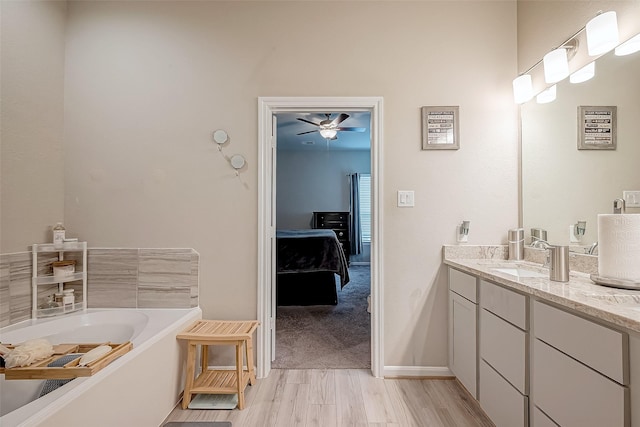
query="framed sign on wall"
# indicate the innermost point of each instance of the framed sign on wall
(440, 128)
(597, 128)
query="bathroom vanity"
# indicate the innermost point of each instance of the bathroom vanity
(543, 353)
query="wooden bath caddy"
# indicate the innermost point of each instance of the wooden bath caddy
(40, 370)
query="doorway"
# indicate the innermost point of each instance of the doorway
(267, 140)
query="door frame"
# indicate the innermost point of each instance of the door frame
(267, 108)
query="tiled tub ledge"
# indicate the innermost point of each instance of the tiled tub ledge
(618, 307)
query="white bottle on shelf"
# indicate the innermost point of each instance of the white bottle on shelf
(58, 235)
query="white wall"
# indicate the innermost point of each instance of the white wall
(31, 121)
(309, 181)
(147, 82)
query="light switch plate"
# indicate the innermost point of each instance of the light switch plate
(631, 199)
(406, 198)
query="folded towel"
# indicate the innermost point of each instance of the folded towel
(50, 385)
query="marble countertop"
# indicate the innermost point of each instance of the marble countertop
(619, 307)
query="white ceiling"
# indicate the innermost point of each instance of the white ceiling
(289, 127)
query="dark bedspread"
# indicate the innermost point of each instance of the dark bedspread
(305, 251)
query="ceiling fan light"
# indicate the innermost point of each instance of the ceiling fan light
(328, 133)
(630, 46)
(602, 33)
(522, 89)
(556, 65)
(583, 74)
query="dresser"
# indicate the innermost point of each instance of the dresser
(338, 222)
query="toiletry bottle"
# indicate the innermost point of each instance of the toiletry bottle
(58, 235)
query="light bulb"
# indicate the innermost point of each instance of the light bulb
(522, 89)
(546, 96)
(583, 74)
(630, 46)
(556, 65)
(602, 33)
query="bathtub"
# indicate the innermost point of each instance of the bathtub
(140, 388)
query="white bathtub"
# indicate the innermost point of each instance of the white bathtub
(140, 388)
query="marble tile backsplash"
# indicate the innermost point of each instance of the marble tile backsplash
(577, 262)
(116, 278)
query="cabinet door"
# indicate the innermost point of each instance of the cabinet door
(574, 395)
(504, 404)
(504, 347)
(462, 341)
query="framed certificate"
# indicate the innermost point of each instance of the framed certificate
(597, 128)
(440, 128)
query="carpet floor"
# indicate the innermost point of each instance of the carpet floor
(327, 336)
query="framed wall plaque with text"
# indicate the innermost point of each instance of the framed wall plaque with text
(440, 128)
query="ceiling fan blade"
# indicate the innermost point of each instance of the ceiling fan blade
(352, 129)
(341, 118)
(308, 121)
(310, 131)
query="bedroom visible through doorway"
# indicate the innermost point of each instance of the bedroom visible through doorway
(269, 109)
(323, 231)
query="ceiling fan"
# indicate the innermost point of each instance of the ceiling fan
(329, 128)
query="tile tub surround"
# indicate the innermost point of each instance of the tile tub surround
(116, 278)
(619, 307)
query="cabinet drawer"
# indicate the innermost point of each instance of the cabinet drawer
(504, 404)
(540, 419)
(573, 394)
(463, 284)
(504, 347)
(462, 341)
(502, 302)
(332, 216)
(603, 349)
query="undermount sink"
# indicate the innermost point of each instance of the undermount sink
(520, 272)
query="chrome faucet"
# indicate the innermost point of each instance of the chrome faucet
(540, 244)
(593, 250)
(543, 244)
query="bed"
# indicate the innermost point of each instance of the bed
(307, 262)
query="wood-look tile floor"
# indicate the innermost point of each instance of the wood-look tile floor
(346, 397)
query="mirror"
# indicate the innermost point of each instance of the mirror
(562, 185)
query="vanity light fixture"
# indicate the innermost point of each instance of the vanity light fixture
(328, 133)
(556, 65)
(583, 74)
(547, 95)
(602, 33)
(522, 89)
(630, 46)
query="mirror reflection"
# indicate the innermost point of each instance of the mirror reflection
(563, 188)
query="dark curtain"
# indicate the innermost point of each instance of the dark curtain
(355, 229)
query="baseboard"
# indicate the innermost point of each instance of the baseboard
(360, 263)
(440, 372)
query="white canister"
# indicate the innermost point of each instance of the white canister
(68, 297)
(62, 269)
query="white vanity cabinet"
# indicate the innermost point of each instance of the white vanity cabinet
(463, 320)
(580, 372)
(504, 350)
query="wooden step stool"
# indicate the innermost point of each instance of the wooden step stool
(218, 381)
